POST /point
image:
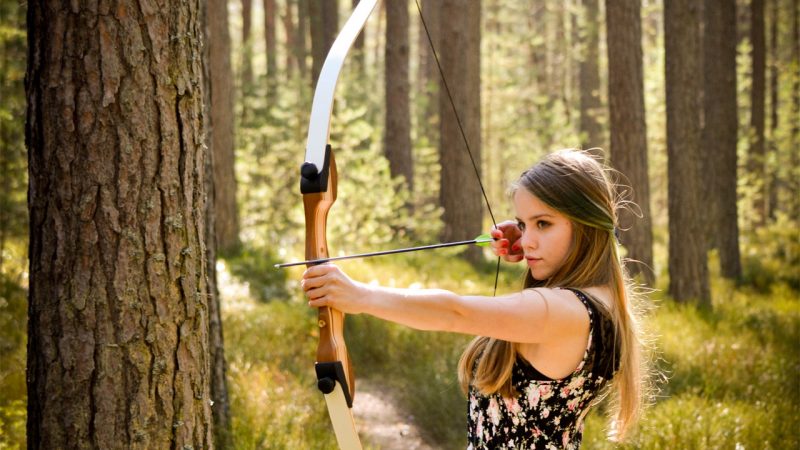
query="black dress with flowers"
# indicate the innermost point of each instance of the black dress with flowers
(546, 413)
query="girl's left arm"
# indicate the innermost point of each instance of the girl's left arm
(530, 316)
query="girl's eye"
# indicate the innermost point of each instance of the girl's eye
(521, 225)
(542, 224)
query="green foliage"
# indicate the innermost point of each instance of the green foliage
(13, 312)
(370, 209)
(13, 226)
(274, 402)
(13, 158)
(731, 371)
(255, 267)
(771, 255)
(732, 374)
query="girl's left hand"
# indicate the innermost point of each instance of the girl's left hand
(327, 285)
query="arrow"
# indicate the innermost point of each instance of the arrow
(481, 241)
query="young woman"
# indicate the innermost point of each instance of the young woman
(545, 355)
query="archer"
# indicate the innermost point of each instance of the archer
(545, 355)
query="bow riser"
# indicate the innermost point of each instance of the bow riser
(318, 185)
(331, 347)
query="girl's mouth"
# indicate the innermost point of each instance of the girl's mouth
(532, 260)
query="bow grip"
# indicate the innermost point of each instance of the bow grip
(313, 181)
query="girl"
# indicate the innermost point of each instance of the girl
(545, 355)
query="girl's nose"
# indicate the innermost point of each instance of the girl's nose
(528, 240)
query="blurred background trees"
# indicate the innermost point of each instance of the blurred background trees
(696, 103)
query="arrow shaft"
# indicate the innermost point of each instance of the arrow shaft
(385, 252)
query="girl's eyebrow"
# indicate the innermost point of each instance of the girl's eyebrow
(534, 217)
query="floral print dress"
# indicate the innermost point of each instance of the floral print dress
(546, 414)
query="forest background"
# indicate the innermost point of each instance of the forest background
(725, 328)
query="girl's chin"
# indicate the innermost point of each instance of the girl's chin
(538, 276)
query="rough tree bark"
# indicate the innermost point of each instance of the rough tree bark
(688, 270)
(397, 137)
(628, 128)
(118, 352)
(460, 194)
(720, 131)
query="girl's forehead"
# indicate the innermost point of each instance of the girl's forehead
(528, 205)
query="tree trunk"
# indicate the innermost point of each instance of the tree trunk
(291, 38)
(222, 129)
(589, 76)
(219, 386)
(302, 32)
(628, 128)
(247, 45)
(541, 110)
(720, 132)
(772, 162)
(359, 57)
(270, 37)
(460, 193)
(794, 175)
(330, 20)
(757, 151)
(118, 351)
(428, 74)
(397, 138)
(324, 27)
(688, 268)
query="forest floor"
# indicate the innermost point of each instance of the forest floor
(381, 424)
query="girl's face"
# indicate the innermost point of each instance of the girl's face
(546, 234)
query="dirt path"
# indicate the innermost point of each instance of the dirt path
(380, 423)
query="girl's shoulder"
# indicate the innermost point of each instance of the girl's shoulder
(564, 313)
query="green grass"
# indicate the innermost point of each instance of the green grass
(732, 372)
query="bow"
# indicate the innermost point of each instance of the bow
(318, 185)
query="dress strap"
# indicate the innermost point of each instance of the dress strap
(604, 357)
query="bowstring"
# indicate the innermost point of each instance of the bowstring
(461, 130)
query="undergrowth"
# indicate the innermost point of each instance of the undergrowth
(732, 371)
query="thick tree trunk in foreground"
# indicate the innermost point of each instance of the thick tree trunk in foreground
(628, 128)
(688, 270)
(118, 320)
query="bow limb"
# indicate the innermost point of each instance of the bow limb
(318, 184)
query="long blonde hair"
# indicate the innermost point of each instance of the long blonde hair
(578, 186)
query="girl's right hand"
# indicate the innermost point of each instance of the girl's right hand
(507, 241)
